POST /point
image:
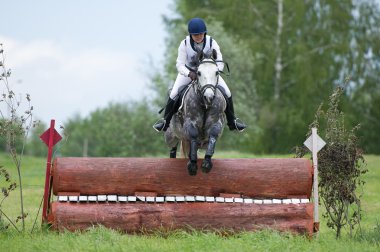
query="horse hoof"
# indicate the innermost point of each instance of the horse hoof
(192, 168)
(206, 165)
(173, 154)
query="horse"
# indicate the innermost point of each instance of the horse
(200, 120)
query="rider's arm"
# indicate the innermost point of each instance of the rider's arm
(181, 60)
(219, 55)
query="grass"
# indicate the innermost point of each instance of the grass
(101, 239)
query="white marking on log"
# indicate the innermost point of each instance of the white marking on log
(150, 199)
(258, 201)
(238, 200)
(73, 198)
(200, 198)
(112, 198)
(296, 201)
(131, 198)
(92, 198)
(286, 201)
(122, 198)
(102, 198)
(170, 198)
(229, 200)
(249, 201)
(190, 198)
(83, 198)
(304, 200)
(219, 199)
(160, 199)
(62, 198)
(179, 198)
(210, 199)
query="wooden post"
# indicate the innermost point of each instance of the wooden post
(314, 143)
(50, 137)
(47, 175)
(315, 182)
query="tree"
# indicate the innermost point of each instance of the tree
(299, 51)
(117, 130)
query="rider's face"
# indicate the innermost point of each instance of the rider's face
(198, 38)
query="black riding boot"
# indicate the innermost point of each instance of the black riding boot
(232, 122)
(170, 108)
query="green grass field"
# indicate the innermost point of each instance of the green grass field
(101, 239)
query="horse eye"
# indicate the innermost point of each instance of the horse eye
(217, 73)
(199, 73)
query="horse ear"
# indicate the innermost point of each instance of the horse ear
(201, 56)
(214, 54)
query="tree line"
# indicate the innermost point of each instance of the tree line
(286, 58)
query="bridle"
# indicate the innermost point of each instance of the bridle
(201, 89)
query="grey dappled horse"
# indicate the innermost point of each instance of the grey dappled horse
(200, 121)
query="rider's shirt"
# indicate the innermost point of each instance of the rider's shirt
(187, 54)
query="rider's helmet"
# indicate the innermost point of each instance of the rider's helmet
(196, 26)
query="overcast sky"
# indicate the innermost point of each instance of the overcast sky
(75, 56)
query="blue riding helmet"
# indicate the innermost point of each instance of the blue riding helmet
(197, 26)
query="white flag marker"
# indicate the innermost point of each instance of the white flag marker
(314, 143)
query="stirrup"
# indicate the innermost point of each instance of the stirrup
(158, 127)
(236, 121)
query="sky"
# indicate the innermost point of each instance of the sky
(76, 56)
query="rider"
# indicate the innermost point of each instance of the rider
(196, 41)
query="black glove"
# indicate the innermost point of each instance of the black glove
(193, 75)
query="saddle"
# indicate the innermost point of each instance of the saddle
(181, 94)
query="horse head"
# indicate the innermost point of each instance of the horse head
(208, 75)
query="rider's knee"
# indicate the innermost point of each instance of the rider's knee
(223, 84)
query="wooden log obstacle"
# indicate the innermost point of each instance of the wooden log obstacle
(135, 194)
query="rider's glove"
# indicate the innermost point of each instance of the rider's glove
(193, 75)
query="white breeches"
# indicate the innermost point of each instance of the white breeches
(182, 81)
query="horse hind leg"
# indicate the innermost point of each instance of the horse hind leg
(172, 142)
(173, 151)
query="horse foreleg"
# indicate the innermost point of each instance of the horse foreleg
(213, 136)
(192, 164)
